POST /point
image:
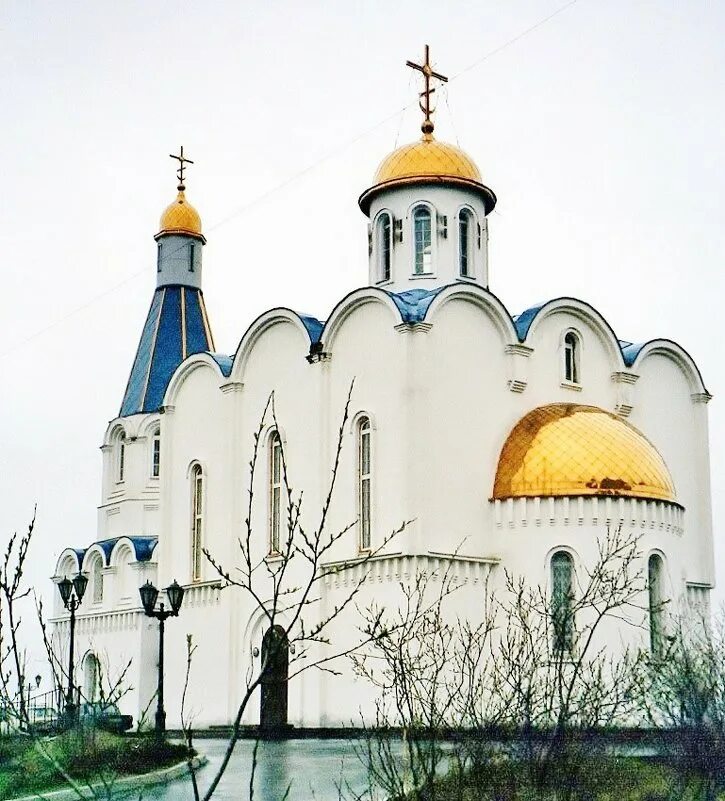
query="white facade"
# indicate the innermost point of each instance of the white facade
(443, 376)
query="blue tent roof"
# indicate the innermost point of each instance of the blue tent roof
(176, 327)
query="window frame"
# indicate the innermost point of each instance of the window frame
(275, 483)
(655, 603)
(466, 212)
(364, 442)
(383, 271)
(96, 570)
(571, 357)
(156, 453)
(121, 458)
(198, 504)
(432, 220)
(562, 633)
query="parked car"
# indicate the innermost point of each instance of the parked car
(105, 716)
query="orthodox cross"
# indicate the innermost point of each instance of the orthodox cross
(180, 172)
(428, 73)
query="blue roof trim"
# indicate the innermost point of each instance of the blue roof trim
(312, 324)
(522, 322)
(630, 351)
(224, 362)
(143, 546)
(160, 348)
(414, 303)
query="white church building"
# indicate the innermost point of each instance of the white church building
(510, 441)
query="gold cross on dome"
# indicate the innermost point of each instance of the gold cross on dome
(428, 73)
(180, 172)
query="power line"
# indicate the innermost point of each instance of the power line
(294, 177)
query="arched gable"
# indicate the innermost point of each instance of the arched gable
(69, 562)
(354, 301)
(482, 299)
(527, 323)
(191, 364)
(634, 355)
(309, 328)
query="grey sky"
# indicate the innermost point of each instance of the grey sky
(601, 132)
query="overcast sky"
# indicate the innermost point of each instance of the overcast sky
(600, 130)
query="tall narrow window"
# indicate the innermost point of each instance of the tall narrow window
(158, 257)
(465, 239)
(275, 492)
(364, 472)
(192, 250)
(656, 599)
(383, 246)
(97, 579)
(422, 240)
(121, 456)
(571, 357)
(197, 519)
(562, 596)
(156, 454)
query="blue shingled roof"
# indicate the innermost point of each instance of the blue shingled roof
(413, 304)
(176, 327)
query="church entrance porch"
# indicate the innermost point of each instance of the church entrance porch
(275, 658)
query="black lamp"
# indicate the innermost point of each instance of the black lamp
(148, 594)
(80, 582)
(175, 594)
(64, 588)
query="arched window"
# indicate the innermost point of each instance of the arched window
(422, 240)
(121, 465)
(655, 602)
(97, 578)
(91, 678)
(123, 578)
(383, 245)
(466, 227)
(364, 474)
(156, 454)
(197, 520)
(562, 597)
(275, 492)
(571, 357)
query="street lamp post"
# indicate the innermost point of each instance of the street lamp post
(71, 593)
(149, 595)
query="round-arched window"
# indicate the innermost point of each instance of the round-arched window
(383, 245)
(422, 240)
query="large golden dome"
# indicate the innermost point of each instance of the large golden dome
(567, 449)
(427, 161)
(181, 218)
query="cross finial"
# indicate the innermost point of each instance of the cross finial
(428, 73)
(180, 172)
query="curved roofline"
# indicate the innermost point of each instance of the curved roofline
(635, 353)
(305, 323)
(481, 297)
(143, 546)
(180, 232)
(488, 196)
(357, 298)
(190, 364)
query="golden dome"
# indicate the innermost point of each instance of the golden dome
(566, 449)
(427, 161)
(181, 218)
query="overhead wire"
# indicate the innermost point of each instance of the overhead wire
(294, 177)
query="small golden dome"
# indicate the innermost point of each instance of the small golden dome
(181, 218)
(427, 161)
(567, 449)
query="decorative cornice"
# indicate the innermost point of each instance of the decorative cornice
(516, 384)
(623, 409)
(571, 385)
(701, 397)
(231, 387)
(624, 377)
(408, 328)
(167, 409)
(519, 350)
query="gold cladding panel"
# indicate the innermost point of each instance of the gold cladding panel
(181, 216)
(567, 449)
(427, 157)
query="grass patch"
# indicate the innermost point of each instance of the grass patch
(87, 755)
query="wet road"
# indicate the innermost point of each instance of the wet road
(312, 769)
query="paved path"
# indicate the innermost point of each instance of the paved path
(313, 769)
